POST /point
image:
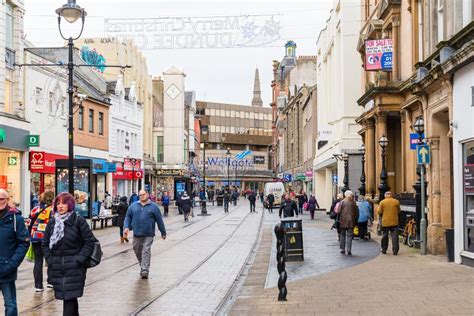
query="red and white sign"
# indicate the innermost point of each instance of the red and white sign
(378, 54)
(43, 162)
(131, 163)
(127, 175)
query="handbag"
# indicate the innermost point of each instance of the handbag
(96, 257)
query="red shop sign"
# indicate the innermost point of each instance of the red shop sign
(121, 174)
(43, 162)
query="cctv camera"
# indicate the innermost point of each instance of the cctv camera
(81, 96)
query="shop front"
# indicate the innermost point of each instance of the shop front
(308, 182)
(42, 168)
(126, 182)
(99, 171)
(13, 164)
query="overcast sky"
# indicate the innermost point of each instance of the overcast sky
(218, 74)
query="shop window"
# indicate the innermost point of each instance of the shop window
(91, 121)
(468, 171)
(101, 123)
(81, 118)
(160, 156)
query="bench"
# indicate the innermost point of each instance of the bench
(104, 221)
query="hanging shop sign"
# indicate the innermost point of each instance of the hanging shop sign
(378, 54)
(169, 172)
(259, 160)
(43, 162)
(131, 163)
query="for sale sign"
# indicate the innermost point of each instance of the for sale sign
(378, 55)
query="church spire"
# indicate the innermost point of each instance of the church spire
(257, 94)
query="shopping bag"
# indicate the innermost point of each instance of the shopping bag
(30, 255)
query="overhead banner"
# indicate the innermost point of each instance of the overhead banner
(378, 54)
(198, 32)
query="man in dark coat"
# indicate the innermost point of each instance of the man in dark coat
(226, 201)
(14, 243)
(348, 216)
(252, 199)
(288, 207)
(121, 211)
(270, 200)
(186, 206)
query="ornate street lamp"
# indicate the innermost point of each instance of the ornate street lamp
(345, 158)
(383, 187)
(362, 174)
(228, 154)
(71, 12)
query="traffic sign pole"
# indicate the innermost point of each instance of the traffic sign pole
(423, 213)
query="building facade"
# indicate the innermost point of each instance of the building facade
(428, 38)
(337, 106)
(246, 132)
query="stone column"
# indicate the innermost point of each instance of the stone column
(381, 130)
(436, 244)
(396, 47)
(370, 157)
(405, 140)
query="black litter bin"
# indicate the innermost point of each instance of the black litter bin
(220, 200)
(450, 244)
(293, 239)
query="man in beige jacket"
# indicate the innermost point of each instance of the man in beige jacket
(389, 209)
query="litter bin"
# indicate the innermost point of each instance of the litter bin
(450, 244)
(293, 239)
(220, 200)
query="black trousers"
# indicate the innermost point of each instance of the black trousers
(38, 267)
(226, 207)
(252, 207)
(165, 207)
(270, 207)
(71, 307)
(393, 230)
(362, 230)
(121, 231)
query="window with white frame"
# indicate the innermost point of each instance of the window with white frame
(9, 25)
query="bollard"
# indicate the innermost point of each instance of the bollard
(280, 234)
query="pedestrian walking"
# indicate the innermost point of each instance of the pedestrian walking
(389, 209)
(365, 212)
(302, 198)
(39, 219)
(121, 212)
(142, 217)
(211, 196)
(348, 215)
(133, 198)
(226, 198)
(270, 200)
(165, 201)
(14, 243)
(312, 205)
(68, 243)
(262, 196)
(203, 197)
(186, 206)
(252, 199)
(178, 203)
(288, 207)
(108, 200)
(235, 196)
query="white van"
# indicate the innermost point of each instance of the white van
(277, 189)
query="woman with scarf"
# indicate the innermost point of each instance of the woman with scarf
(68, 243)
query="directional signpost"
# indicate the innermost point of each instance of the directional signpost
(423, 155)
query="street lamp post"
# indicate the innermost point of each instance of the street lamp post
(362, 174)
(345, 158)
(228, 153)
(71, 12)
(383, 187)
(204, 131)
(419, 128)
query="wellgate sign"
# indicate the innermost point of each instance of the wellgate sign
(217, 163)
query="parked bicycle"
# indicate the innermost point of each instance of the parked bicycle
(409, 232)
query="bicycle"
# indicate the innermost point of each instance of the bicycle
(409, 232)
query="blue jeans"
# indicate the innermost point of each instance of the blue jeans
(9, 297)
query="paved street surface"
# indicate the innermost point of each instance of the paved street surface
(191, 271)
(407, 284)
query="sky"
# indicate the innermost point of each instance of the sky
(215, 74)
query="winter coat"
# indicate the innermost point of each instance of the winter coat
(226, 197)
(202, 196)
(133, 198)
(186, 204)
(121, 211)
(348, 214)
(364, 211)
(289, 209)
(312, 204)
(166, 200)
(252, 198)
(142, 218)
(66, 261)
(271, 198)
(389, 209)
(301, 199)
(14, 243)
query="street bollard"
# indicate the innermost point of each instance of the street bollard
(280, 234)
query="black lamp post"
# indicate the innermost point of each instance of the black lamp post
(362, 174)
(345, 158)
(419, 128)
(228, 153)
(71, 12)
(383, 187)
(204, 131)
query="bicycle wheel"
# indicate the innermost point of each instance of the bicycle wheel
(411, 241)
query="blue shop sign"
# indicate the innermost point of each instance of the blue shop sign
(98, 165)
(415, 140)
(111, 167)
